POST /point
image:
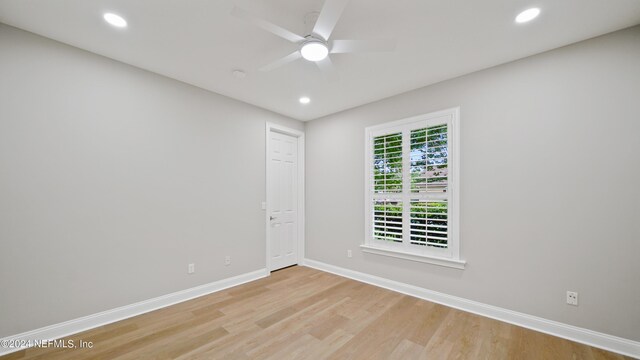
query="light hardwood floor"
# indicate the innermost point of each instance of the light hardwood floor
(301, 313)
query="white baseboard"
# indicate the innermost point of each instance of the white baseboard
(75, 326)
(570, 332)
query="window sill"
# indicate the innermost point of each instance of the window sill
(452, 263)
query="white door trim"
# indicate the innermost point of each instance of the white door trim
(271, 127)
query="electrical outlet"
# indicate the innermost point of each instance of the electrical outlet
(572, 298)
(263, 205)
(349, 253)
(227, 260)
(191, 268)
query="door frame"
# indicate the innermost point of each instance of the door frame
(271, 127)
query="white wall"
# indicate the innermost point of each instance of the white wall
(113, 179)
(550, 176)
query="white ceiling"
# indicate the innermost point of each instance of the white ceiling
(198, 42)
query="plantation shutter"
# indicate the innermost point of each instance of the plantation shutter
(429, 159)
(387, 222)
(429, 175)
(409, 187)
(429, 225)
(387, 183)
(387, 163)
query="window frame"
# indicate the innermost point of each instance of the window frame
(450, 256)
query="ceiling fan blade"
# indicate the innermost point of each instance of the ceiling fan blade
(352, 46)
(264, 24)
(331, 11)
(287, 59)
(328, 70)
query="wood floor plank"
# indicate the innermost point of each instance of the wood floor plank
(406, 349)
(327, 326)
(385, 333)
(16, 355)
(174, 348)
(326, 347)
(302, 313)
(493, 339)
(284, 332)
(431, 316)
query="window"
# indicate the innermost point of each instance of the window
(412, 189)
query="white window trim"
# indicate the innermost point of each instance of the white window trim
(453, 263)
(452, 258)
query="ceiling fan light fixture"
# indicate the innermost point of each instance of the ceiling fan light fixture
(314, 50)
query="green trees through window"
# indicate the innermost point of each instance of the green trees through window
(387, 163)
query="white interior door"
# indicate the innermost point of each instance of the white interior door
(283, 200)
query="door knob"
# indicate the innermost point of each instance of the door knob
(272, 218)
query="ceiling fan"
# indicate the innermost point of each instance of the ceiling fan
(316, 46)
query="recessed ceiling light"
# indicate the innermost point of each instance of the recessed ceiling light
(239, 74)
(115, 20)
(314, 50)
(304, 100)
(527, 15)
